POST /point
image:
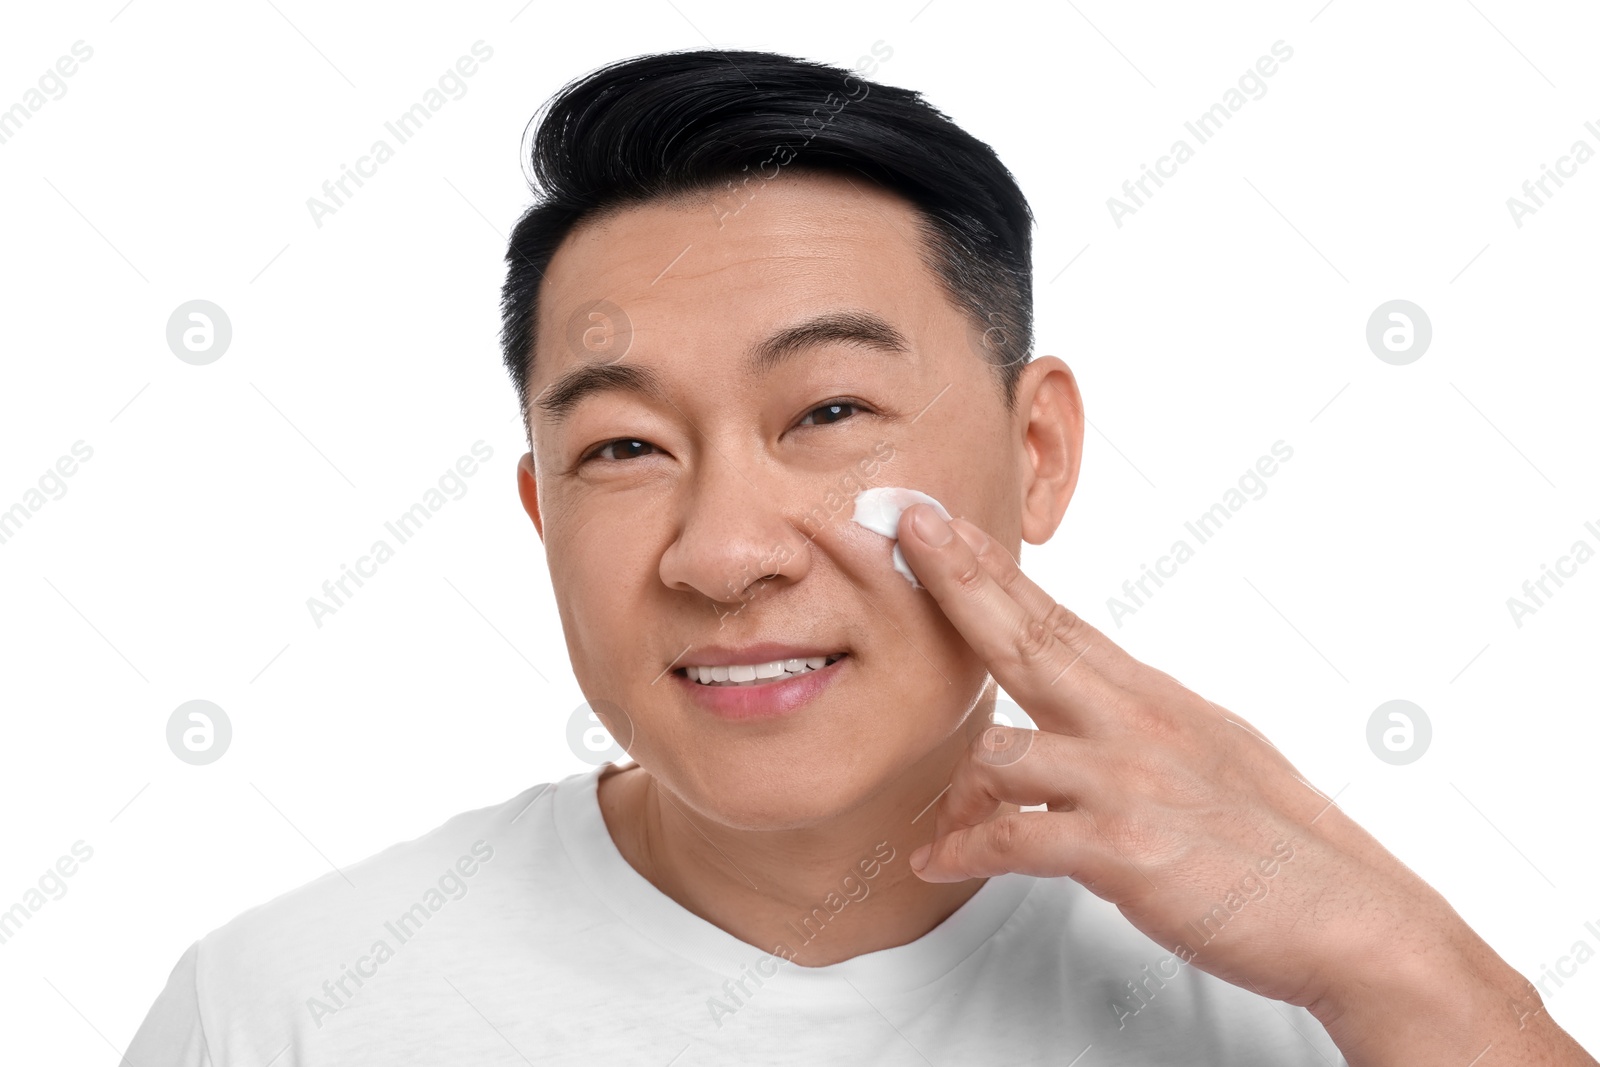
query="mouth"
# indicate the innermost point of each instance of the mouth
(759, 683)
(736, 675)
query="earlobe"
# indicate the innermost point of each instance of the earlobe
(528, 490)
(1051, 445)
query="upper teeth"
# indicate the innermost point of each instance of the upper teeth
(755, 673)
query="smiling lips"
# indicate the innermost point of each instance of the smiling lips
(739, 674)
(760, 682)
(756, 683)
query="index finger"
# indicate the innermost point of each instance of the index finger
(1063, 671)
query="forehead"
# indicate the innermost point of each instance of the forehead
(723, 266)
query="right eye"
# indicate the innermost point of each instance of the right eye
(620, 449)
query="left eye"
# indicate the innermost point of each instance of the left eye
(835, 411)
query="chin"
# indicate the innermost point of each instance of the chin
(775, 790)
(794, 783)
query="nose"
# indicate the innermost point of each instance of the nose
(735, 533)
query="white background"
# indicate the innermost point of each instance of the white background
(1226, 314)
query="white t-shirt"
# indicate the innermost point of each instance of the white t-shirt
(518, 934)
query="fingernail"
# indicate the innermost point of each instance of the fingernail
(919, 858)
(931, 528)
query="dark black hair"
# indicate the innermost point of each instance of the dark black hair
(661, 127)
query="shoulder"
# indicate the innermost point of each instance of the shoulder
(445, 860)
(242, 991)
(268, 961)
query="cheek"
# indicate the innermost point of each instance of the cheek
(916, 652)
(595, 573)
(927, 659)
(943, 663)
(925, 689)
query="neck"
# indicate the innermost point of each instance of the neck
(815, 896)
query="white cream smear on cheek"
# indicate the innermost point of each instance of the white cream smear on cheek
(879, 510)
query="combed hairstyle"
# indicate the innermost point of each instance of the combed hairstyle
(666, 126)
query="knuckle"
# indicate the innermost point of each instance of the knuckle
(1006, 836)
(1000, 746)
(1151, 720)
(1060, 627)
(1065, 623)
(1036, 639)
(969, 578)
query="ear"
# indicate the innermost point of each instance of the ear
(1050, 426)
(528, 490)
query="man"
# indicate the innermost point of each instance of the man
(752, 288)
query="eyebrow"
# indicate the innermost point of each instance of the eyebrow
(558, 401)
(862, 329)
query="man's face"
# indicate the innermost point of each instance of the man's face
(686, 527)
